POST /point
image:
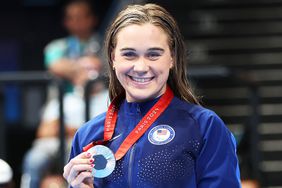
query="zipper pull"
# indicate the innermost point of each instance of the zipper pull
(138, 109)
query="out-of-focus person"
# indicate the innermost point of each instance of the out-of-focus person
(249, 183)
(67, 57)
(6, 175)
(76, 59)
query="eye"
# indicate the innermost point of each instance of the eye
(153, 55)
(129, 55)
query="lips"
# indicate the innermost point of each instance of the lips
(141, 80)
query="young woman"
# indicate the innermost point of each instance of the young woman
(159, 134)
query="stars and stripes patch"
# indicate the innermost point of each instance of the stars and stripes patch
(161, 134)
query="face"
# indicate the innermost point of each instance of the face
(142, 60)
(79, 21)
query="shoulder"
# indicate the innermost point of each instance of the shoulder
(92, 124)
(95, 44)
(204, 118)
(96, 37)
(197, 112)
(56, 43)
(90, 131)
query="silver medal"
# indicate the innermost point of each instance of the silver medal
(104, 161)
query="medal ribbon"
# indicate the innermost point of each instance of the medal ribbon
(140, 128)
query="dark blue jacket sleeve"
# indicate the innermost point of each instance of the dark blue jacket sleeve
(75, 148)
(217, 164)
(77, 145)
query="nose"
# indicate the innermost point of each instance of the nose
(141, 66)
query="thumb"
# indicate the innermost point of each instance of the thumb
(89, 181)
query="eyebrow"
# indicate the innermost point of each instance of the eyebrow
(156, 49)
(129, 49)
(150, 49)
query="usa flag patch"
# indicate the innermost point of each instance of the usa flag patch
(161, 134)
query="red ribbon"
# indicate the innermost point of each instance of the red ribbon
(140, 128)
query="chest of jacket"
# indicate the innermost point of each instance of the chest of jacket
(164, 156)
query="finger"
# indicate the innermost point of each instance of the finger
(77, 169)
(83, 176)
(89, 181)
(83, 158)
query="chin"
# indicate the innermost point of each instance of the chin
(140, 97)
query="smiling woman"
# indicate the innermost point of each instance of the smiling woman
(165, 138)
(142, 64)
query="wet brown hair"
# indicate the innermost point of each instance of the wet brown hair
(158, 16)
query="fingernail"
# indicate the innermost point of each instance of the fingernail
(88, 154)
(91, 160)
(92, 165)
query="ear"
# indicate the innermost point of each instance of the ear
(113, 60)
(171, 63)
(112, 56)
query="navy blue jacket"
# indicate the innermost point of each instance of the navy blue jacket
(188, 146)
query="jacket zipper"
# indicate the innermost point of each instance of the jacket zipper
(130, 165)
(131, 157)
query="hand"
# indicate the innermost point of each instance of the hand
(87, 67)
(78, 172)
(77, 71)
(48, 129)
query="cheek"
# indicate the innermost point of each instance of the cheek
(121, 71)
(163, 69)
(165, 75)
(121, 67)
(117, 61)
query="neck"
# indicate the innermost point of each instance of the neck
(84, 37)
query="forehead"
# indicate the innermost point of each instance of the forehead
(77, 8)
(142, 34)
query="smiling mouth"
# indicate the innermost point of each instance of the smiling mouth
(141, 80)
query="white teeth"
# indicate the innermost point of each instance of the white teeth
(142, 80)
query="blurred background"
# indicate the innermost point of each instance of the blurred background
(235, 64)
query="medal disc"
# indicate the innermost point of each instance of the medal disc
(104, 161)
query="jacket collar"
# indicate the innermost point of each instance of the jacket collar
(138, 107)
